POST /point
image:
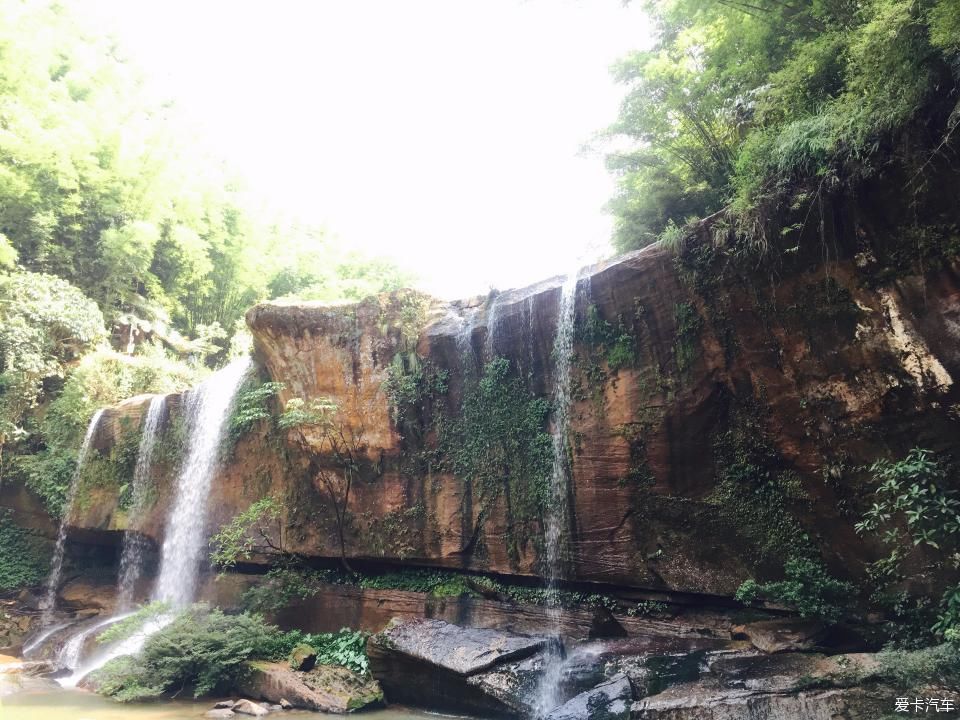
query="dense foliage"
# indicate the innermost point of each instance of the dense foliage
(347, 648)
(500, 444)
(765, 103)
(24, 556)
(205, 650)
(808, 588)
(98, 187)
(116, 227)
(913, 503)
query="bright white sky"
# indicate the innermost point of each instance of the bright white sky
(443, 133)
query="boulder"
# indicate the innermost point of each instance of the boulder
(14, 626)
(433, 664)
(219, 713)
(86, 594)
(224, 704)
(326, 688)
(464, 651)
(247, 707)
(610, 700)
(303, 657)
(782, 634)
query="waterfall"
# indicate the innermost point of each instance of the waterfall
(69, 654)
(557, 515)
(56, 562)
(488, 342)
(101, 656)
(207, 409)
(134, 544)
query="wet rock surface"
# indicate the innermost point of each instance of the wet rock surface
(610, 700)
(706, 701)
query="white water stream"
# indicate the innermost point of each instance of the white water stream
(208, 408)
(48, 604)
(134, 544)
(557, 516)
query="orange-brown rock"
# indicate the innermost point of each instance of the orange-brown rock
(744, 405)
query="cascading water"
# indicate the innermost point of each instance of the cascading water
(207, 409)
(492, 316)
(49, 602)
(69, 654)
(134, 545)
(128, 646)
(557, 516)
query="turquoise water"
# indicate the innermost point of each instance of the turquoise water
(47, 703)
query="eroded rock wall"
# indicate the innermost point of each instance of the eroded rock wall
(725, 411)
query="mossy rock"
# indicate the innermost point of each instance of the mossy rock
(325, 688)
(303, 657)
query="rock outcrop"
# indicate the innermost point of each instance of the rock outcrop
(324, 688)
(723, 413)
(430, 663)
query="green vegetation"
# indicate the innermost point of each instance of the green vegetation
(127, 255)
(284, 585)
(257, 530)
(48, 446)
(24, 556)
(755, 492)
(688, 336)
(808, 588)
(604, 349)
(250, 407)
(204, 650)
(914, 506)
(768, 106)
(499, 444)
(347, 648)
(130, 625)
(937, 666)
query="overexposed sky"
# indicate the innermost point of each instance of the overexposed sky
(443, 133)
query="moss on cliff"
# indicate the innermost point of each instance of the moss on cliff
(499, 444)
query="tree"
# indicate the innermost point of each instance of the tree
(337, 452)
(741, 103)
(258, 530)
(45, 323)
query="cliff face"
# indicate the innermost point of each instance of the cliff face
(724, 415)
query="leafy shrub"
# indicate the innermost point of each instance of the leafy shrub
(102, 377)
(202, 648)
(937, 665)
(24, 557)
(258, 529)
(282, 586)
(808, 588)
(251, 406)
(347, 648)
(913, 493)
(45, 322)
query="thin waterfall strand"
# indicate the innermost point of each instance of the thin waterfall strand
(56, 562)
(492, 318)
(557, 515)
(207, 410)
(134, 544)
